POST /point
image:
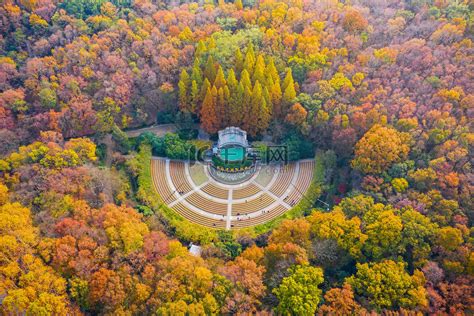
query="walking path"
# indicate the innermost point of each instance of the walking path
(229, 209)
(159, 130)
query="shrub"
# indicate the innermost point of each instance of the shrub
(400, 185)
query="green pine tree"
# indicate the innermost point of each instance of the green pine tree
(245, 79)
(211, 43)
(264, 116)
(288, 80)
(200, 49)
(195, 97)
(288, 99)
(249, 62)
(210, 69)
(276, 96)
(271, 70)
(184, 91)
(196, 73)
(235, 105)
(239, 61)
(206, 85)
(231, 80)
(220, 81)
(259, 71)
(268, 99)
(221, 108)
(246, 107)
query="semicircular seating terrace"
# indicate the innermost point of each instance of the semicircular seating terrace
(271, 192)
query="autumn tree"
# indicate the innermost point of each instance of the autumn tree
(29, 286)
(297, 115)
(238, 4)
(208, 112)
(346, 232)
(257, 118)
(106, 288)
(238, 61)
(278, 258)
(123, 228)
(235, 105)
(449, 238)
(384, 232)
(83, 147)
(379, 148)
(184, 86)
(220, 81)
(249, 61)
(388, 285)
(39, 289)
(295, 231)
(417, 234)
(299, 292)
(249, 288)
(340, 301)
(259, 71)
(3, 194)
(356, 205)
(289, 92)
(354, 22)
(210, 69)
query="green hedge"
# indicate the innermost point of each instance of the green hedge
(148, 196)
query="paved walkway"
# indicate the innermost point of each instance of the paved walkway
(162, 129)
(229, 209)
(158, 130)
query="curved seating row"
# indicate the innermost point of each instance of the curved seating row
(265, 217)
(198, 218)
(252, 205)
(285, 175)
(158, 173)
(302, 182)
(207, 205)
(215, 191)
(245, 192)
(178, 176)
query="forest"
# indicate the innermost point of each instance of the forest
(381, 90)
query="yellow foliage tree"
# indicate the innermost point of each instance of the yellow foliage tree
(379, 148)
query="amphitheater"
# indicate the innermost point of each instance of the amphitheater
(193, 193)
